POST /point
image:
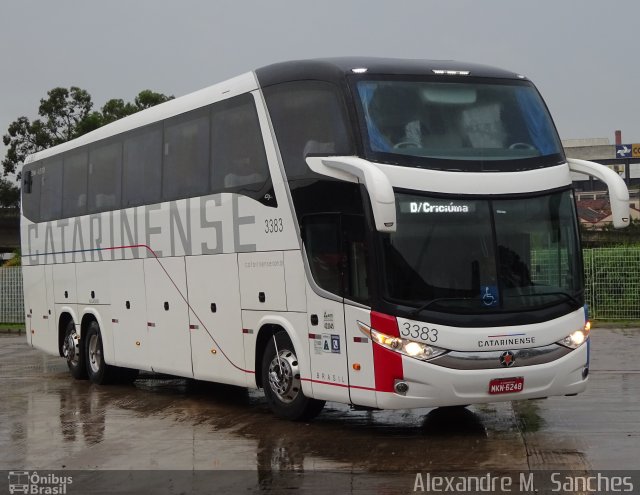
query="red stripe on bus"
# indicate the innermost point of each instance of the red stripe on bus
(337, 384)
(387, 364)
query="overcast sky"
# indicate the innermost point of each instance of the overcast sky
(582, 54)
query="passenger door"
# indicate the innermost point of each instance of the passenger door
(334, 245)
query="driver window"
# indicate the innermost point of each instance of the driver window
(337, 252)
(322, 243)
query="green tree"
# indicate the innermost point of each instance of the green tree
(9, 194)
(147, 99)
(61, 112)
(117, 108)
(64, 114)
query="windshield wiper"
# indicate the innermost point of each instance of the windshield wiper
(555, 293)
(440, 299)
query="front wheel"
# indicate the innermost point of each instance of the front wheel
(282, 384)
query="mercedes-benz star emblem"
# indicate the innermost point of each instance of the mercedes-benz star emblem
(507, 359)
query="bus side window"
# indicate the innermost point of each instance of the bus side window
(105, 166)
(186, 156)
(51, 190)
(142, 162)
(31, 197)
(74, 192)
(238, 159)
(309, 118)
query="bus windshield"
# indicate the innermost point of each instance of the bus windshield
(483, 255)
(485, 126)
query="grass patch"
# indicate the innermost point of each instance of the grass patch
(13, 327)
(606, 323)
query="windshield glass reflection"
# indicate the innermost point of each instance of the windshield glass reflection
(451, 125)
(479, 255)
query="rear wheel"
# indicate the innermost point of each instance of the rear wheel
(74, 353)
(282, 384)
(98, 370)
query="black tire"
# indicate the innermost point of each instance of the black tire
(97, 369)
(74, 352)
(281, 382)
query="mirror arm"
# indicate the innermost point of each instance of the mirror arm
(354, 169)
(618, 192)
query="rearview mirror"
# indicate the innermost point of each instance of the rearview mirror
(618, 192)
(353, 169)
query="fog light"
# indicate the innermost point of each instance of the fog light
(401, 388)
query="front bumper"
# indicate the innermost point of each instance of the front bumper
(430, 385)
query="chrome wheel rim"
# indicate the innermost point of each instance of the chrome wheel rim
(95, 354)
(284, 376)
(71, 348)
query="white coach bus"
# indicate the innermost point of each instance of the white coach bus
(383, 233)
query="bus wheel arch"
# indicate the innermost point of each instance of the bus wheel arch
(280, 376)
(265, 334)
(63, 321)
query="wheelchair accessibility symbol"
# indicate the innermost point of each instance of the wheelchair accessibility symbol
(489, 295)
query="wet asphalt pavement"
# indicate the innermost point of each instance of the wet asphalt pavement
(48, 421)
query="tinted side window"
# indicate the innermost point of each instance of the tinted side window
(142, 163)
(324, 250)
(238, 159)
(309, 119)
(337, 252)
(105, 170)
(185, 171)
(74, 199)
(51, 190)
(31, 200)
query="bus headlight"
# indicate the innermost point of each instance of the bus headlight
(577, 338)
(411, 348)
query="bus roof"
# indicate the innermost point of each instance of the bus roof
(192, 101)
(335, 69)
(328, 69)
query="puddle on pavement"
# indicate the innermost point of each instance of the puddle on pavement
(51, 421)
